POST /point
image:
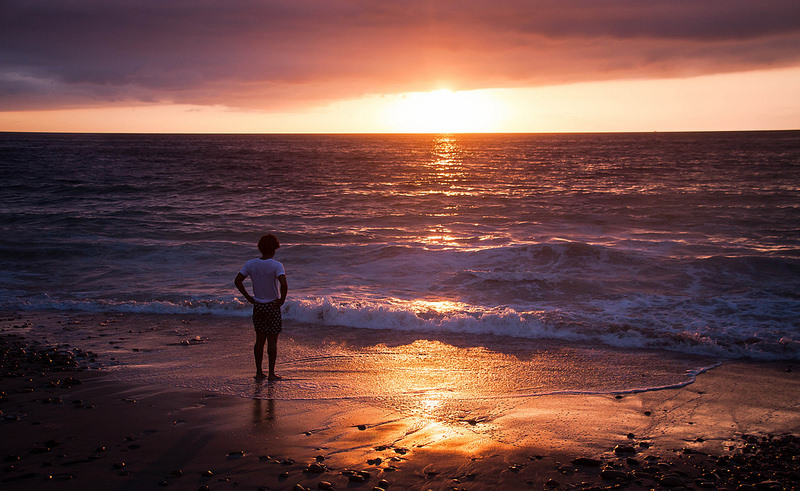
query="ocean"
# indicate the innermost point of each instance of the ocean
(682, 243)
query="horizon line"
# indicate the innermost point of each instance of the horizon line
(357, 133)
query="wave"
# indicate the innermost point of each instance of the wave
(588, 326)
(187, 307)
(694, 331)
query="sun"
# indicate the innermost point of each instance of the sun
(445, 111)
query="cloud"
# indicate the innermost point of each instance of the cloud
(278, 54)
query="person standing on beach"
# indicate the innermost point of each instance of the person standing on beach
(269, 294)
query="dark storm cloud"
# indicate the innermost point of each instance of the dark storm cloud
(251, 53)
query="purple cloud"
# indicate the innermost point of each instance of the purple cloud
(269, 54)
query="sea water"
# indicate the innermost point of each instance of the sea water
(684, 243)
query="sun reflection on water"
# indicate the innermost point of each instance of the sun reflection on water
(427, 308)
(444, 176)
(446, 162)
(441, 382)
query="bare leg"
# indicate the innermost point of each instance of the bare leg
(272, 352)
(258, 352)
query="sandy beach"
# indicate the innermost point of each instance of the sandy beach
(66, 426)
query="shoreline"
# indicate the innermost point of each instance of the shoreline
(68, 428)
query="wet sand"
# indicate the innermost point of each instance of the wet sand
(65, 427)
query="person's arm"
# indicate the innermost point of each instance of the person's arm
(239, 282)
(284, 289)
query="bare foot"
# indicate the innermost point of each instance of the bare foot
(275, 377)
(260, 376)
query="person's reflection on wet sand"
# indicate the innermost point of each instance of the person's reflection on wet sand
(261, 413)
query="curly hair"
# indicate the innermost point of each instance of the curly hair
(268, 244)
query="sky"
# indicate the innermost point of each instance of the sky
(358, 66)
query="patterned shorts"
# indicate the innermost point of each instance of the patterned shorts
(267, 318)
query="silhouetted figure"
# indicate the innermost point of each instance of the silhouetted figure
(269, 293)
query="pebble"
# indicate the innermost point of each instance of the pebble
(613, 475)
(587, 461)
(315, 468)
(62, 477)
(325, 485)
(671, 481)
(624, 449)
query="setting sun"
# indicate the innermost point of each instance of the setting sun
(445, 111)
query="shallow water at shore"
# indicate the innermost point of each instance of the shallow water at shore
(443, 376)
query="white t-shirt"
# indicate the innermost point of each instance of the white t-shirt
(264, 274)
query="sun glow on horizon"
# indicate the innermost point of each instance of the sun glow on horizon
(445, 111)
(758, 100)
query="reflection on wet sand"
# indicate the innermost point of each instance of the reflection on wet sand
(263, 402)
